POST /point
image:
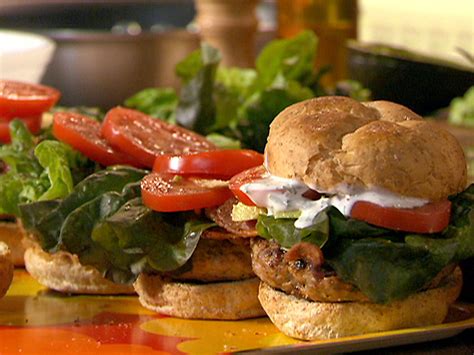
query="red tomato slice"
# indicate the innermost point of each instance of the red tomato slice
(171, 193)
(430, 218)
(32, 123)
(19, 99)
(144, 138)
(83, 134)
(243, 178)
(217, 164)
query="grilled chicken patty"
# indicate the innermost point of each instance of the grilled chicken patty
(301, 274)
(217, 260)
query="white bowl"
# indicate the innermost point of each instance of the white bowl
(24, 56)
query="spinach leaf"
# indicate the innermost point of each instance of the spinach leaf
(137, 238)
(196, 108)
(382, 269)
(47, 229)
(342, 227)
(75, 235)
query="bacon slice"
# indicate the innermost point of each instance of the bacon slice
(222, 216)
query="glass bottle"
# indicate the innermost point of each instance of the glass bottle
(334, 21)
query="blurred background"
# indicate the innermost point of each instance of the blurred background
(117, 47)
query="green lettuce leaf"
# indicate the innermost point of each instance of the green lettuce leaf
(47, 226)
(291, 58)
(156, 102)
(35, 173)
(283, 230)
(196, 108)
(139, 239)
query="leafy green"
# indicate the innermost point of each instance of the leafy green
(104, 223)
(385, 265)
(382, 269)
(223, 142)
(461, 109)
(138, 238)
(196, 108)
(354, 89)
(41, 172)
(283, 230)
(156, 102)
(240, 103)
(47, 227)
(54, 157)
(291, 58)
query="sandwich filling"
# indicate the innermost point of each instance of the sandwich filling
(279, 195)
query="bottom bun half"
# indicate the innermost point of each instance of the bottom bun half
(228, 300)
(63, 272)
(6, 269)
(307, 320)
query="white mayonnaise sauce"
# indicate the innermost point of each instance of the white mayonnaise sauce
(281, 195)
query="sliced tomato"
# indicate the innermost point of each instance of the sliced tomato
(217, 164)
(18, 99)
(171, 193)
(430, 218)
(32, 123)
(246, 177)
(144, 137)
(83, 134)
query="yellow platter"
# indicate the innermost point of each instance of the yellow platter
(34, 320)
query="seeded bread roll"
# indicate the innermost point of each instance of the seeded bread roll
(329, 141)
(63, 272)
(302, 319)
(6, 268)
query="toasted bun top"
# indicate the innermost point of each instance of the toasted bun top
(328, 141)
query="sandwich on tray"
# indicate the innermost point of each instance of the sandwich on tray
(163, 230)
(362, 213)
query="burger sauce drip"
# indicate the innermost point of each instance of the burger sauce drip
(282, 195)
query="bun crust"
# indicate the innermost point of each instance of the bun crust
(6, 269)
(220, 300)
(329, 141)
(302, 319)
(63, 272)
(12, 235)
